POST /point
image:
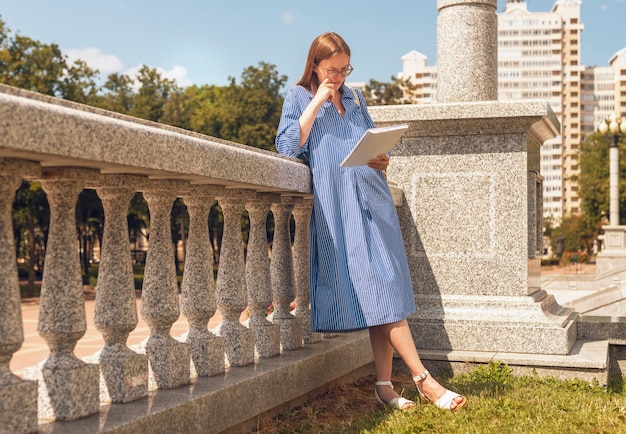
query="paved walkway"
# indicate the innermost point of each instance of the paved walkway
(35, 350)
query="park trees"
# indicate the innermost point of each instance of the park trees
(245, 111)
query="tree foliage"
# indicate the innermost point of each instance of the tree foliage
(246, 112)
(577, 233)
(594, 178)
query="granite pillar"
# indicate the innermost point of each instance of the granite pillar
(301, 260)
(198, 287)
(124, 373)
(169, 359)
(258, 284)
(68, 387)
(467, 50)
(18, 398)
(471, 223)
(281, 271)
(231, 284)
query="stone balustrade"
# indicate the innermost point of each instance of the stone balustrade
(69, 147)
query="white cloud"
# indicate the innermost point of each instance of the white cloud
(96, 59)
(287, 17)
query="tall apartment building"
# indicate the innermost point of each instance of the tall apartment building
(539, 58)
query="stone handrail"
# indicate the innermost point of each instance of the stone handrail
(69, 147)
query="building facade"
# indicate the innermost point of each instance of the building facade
(539, 58)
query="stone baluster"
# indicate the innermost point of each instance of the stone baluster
(18, 398)
(169, 359)
(231, 292)
(124, 372)
(267, 335)
(281, 271)
(301, 261)
(68, 387)
(198, 288)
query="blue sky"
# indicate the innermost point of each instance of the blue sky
(207, 41)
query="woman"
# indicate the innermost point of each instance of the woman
(359, 272)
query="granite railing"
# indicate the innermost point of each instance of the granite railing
(69, 147)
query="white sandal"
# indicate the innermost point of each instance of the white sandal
(397, 403)
(445, 401)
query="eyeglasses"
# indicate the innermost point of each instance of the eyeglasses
(333, 73)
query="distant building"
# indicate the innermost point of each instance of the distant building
(539, 58)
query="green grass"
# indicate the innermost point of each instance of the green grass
(498, 403)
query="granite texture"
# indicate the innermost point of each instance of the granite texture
(239, 397)
(231, 282)
(18, 398)
(467, 50)
(68, 387)
(258, 283)
(169, 359)
(58, 133)
(466, 178)
(470, 176)
(282, 276)
(198, 286)
(301, 258)
(124, 372)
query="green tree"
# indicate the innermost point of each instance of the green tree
(117, 93)
(138, 219)
(577, 234)
(29, 64)
(31, 219)
(246, 112)
(154, 91)
(89, 226)
(594, 178)
(79, 84)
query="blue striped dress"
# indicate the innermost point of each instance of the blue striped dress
(359, 271)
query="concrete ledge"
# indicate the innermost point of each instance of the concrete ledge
(241, 395)
(612, 328)
(588, 360)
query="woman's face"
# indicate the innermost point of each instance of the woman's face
(335, 69)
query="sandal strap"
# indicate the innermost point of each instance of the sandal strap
(421, 376)
(446, 400)
(400, 402)
(384, 383)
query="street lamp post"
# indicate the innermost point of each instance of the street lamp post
(615, 126)
(614, 252)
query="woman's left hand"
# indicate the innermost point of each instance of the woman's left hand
(380, 162)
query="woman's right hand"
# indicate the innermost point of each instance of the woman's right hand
(325, 91)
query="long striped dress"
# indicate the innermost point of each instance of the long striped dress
(359, 271)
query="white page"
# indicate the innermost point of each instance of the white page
(374, 141)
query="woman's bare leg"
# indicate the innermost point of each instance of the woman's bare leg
(384, 338)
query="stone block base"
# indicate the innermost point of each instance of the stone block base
(207, 356)
(124, 376)
(18, 407)
(66, 393)
(534, 324)
(238, 344)
(169, 362)
(267, 340)
(308, 337)
(291, 334)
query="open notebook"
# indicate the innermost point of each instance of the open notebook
(374, 141)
